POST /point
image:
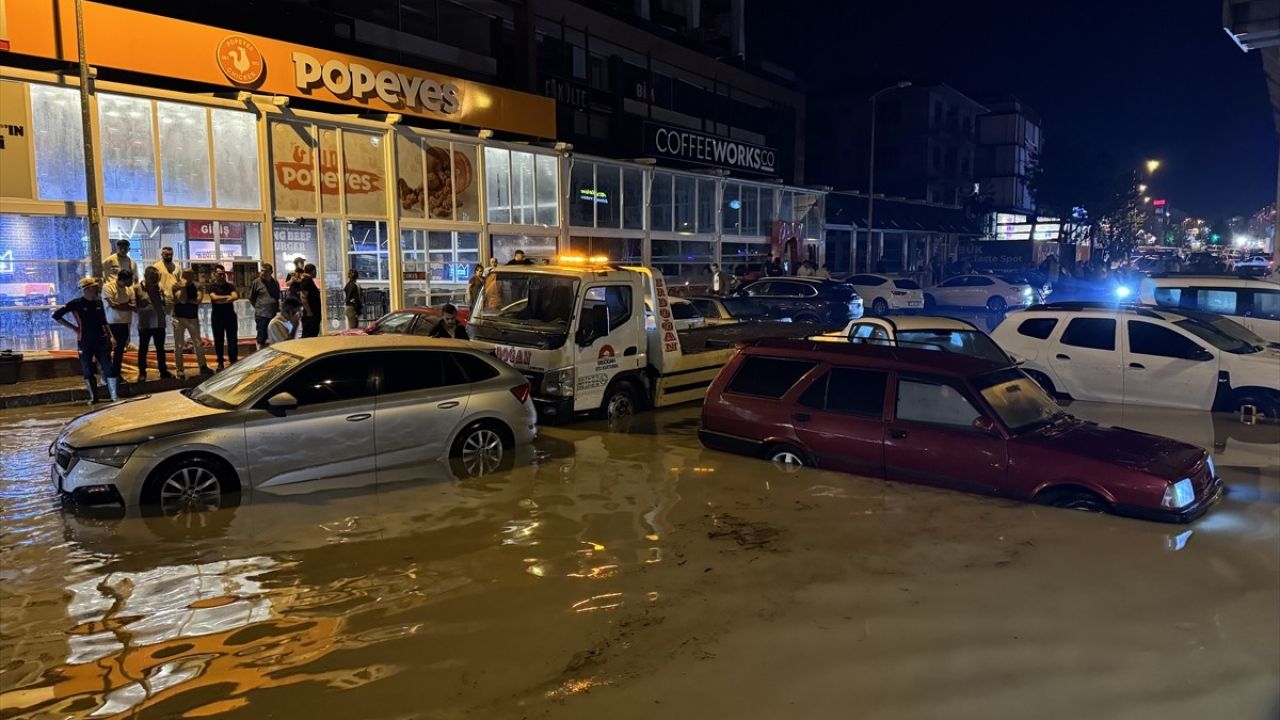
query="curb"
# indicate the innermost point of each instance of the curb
(81, 394)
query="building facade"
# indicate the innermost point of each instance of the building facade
(925, 142)
(236, 149)
(1009, 142)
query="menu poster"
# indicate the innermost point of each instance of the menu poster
(451, 181)
(409, 185)
(293, 171)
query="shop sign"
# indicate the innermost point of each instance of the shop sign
(15, 146)
(599, 197)
(204, 230)
(696, 147)
(164, 47)
(567, 93)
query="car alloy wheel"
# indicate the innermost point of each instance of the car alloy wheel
(787, 460)
(481, 451)
(190, 489)
(879, 307)
(1082, 501)
(997, 305)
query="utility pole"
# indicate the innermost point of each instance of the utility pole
(90, 176)
(871, 179)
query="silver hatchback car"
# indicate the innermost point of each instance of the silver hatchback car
(307, 414)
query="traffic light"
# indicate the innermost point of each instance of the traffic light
(1215, 238)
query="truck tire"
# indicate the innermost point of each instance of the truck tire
(620, 403)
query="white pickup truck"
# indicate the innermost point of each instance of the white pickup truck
(581, 333)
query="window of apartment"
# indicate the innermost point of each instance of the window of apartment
(936, 163)
(938, 111)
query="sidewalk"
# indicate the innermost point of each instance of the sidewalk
(49, 391)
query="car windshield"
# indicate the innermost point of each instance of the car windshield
(965, 342)
(395, 323)
(1223, 333)
(233, 386)
(528, 298)
(1019, 401)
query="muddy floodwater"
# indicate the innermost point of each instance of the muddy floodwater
(637, 575)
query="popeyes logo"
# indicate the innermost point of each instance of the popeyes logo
(298, 173)
(240, 60)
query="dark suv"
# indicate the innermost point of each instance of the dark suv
(805, 300)
(968, 424)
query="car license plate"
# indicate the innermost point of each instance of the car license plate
(914, 303)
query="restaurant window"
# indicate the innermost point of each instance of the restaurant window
(582, 200)
(627, 251)
(128, 150)
(660, 204)
(536, 247)
(632, 199)
(608, 196)
(707, 206)
(751, 210)
(293, 173)
(363, 173)
(437, 179)
(184, 155)
(59, 143)
(235, 159)
(731, 209)
(684, 261)
(42, 258)
(685, 197)
(520, 187)
(330, 182)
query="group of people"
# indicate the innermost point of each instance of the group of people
(164, 295)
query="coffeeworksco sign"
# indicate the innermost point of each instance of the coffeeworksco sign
(144, 43)
(693, 146)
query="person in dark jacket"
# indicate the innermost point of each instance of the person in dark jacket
(449, 327)
(353, 299)
(264, 295)
(222, 314)
(305, 289)
(93, 336)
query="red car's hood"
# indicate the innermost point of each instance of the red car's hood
(1130, 449)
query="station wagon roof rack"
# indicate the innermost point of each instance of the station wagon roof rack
(1077, 305)
(1243, 274)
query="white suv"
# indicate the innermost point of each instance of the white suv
(1144, 356)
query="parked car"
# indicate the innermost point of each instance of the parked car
(1263, 263)
(1144, 356)
(727, 310)
(882, 293)
(976, 291)
(927, 332)
(970, 424)
(1038, 282)
(302, 414)
(805, 300)
(684, 315)
(1252, 302)
(409, 321)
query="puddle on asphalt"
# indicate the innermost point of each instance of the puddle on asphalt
(629, 574)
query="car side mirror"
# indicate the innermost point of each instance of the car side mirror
(984, 424)
(280, 403)
(1201, 355)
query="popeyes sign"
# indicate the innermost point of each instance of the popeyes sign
(297, 172)
(168, 48)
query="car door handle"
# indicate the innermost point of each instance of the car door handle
(800, 417)
(1060, 356)
(898, 434)
(629, 351)
(359, 416)
(1137, 366)
(447, 405)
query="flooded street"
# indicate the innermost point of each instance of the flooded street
(632, 575)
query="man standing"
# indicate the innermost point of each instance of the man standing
(93, 337)
(493, 263)
(222, 315)
(475, 284)
(719, 280)
(520, 259)
(151, 323)
(264, 295)
(353, 300)
(304, 288)
(170, 275)
(121, 299)
(186, 319)
(282, 325)
(448, 327)
(117, 261)
(299, 267)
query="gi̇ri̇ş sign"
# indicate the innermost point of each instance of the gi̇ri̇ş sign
(697, 147)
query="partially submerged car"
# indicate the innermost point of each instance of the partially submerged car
(968, 424)
(928, 332)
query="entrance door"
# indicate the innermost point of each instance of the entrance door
(932, 440)
(611, 352)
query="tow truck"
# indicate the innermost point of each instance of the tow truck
(581, 332)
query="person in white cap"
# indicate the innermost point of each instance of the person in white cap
(93, 337)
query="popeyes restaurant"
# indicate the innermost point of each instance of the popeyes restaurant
(293, 151)
(237, 176)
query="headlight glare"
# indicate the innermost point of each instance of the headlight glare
(1178, 495)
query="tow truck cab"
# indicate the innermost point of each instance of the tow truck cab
(580, 332)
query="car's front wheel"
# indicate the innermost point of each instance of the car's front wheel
(1078, 499)
(1267, 405)
(788, 459)
(880, 307)
(182, 497)
(997, 304)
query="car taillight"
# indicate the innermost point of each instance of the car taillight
(522, 392)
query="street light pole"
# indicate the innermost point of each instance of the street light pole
(90, 176)
(871, 174)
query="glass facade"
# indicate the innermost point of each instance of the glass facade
(190, 175)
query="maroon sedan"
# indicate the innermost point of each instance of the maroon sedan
(966, 423)
(409, 321)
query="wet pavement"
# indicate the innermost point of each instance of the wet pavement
(632, 575)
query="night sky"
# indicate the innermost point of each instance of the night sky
(1114, 82)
